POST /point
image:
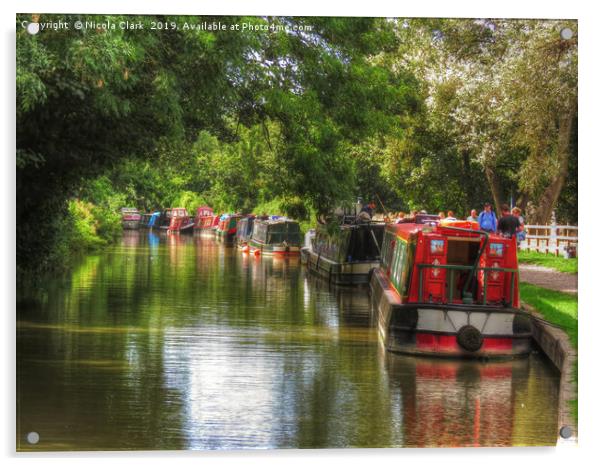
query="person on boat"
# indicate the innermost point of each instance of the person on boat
(487, 220)
(367, 212)
(508, 224)
(450, 215)
(473, 217)
(442, 215)
(400, 217)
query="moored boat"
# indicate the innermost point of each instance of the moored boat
(205, 220)
(449, 289)
(152, 221)
(175, 220)
(244, 231)
(130, 218)
(226, 228)
(148, 220)
(346, 254)
(275, 236)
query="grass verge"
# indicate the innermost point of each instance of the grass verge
(559, 309)
(548, 260)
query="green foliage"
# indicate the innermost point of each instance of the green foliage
(556, 307)
(90, 101)
(502, 94)
(548, 260)
(417, 113)
(84, 232)
(189, 200)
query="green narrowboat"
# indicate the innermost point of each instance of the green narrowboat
(276, 236)
(227, 227)
(346, 254)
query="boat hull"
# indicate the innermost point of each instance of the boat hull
(225, 236)
(349, 273)
(273, 249)
(131, 224)
(186, 228)
(448, 330)
(204, 231)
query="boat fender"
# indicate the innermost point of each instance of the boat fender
(245, 249)
(256, 252)
(470, 338)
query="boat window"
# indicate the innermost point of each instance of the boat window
(284, 231)
(398, 264)
(496, 249)
(331, 246)
(260, 231)
(388, 248)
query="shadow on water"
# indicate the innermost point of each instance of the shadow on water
(180, 342)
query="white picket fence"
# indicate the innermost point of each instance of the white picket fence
(560, 240)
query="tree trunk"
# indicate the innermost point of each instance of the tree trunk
(494, 185)
(548, 199)
(522, 201)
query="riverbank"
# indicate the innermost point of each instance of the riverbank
(560, 264)
(559, 340)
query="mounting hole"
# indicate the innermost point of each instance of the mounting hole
(566, 33)
(566, 432)
(33, 28)
(33, 438)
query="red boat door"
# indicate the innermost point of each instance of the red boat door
(494, 256)
(435, 253)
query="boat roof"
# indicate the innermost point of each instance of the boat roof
(273, 221)
(226, 216)
(406, 230)
(362, 225)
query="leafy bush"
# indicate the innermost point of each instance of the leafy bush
(82, 233)
(189, 200)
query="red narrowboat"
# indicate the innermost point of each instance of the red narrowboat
(205, 219)
(176, 220)
(449, 289)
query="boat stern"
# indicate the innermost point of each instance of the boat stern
(452, 330)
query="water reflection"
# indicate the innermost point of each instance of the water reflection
(177, 341)
(471, 403)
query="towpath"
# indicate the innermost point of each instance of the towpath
(548, 278)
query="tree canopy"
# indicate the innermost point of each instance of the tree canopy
(435, 114)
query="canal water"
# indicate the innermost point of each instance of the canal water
(179, 342)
